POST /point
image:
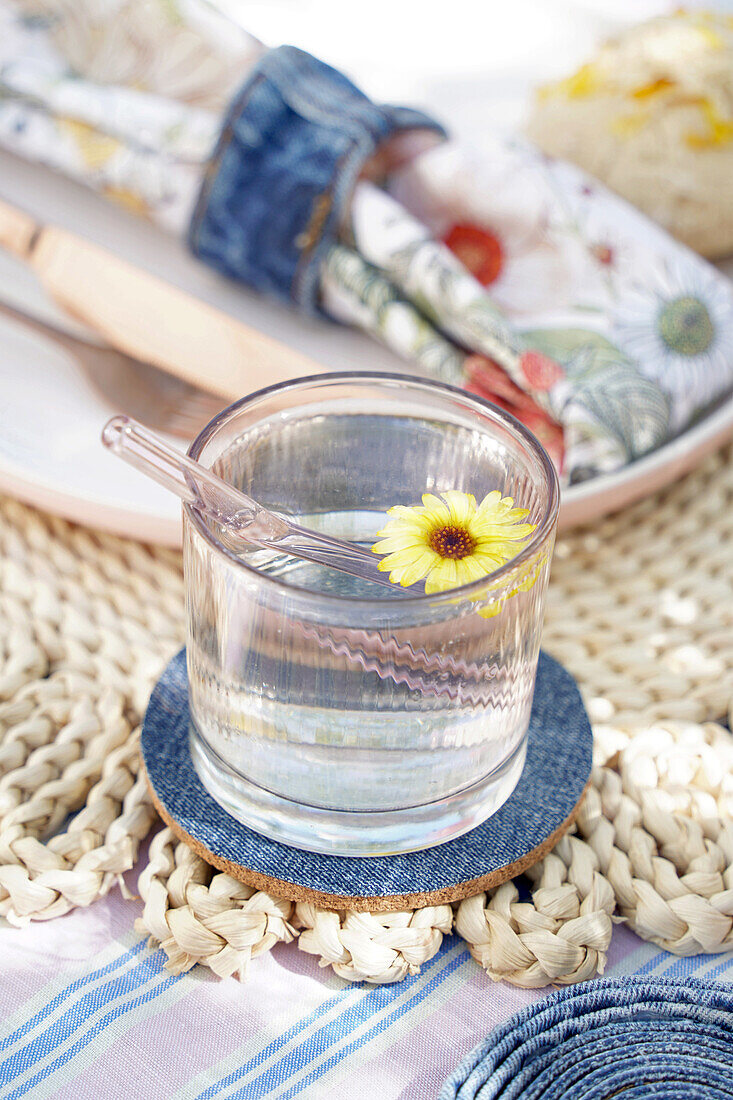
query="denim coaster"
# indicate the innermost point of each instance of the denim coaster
(541, 808)
(632, 1037)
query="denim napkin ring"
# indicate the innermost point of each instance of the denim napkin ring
(633, 1037)
(294, 141)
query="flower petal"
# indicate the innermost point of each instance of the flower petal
(486, 531)
(490, 501)
(442, 576)
(407, 556)
(419, 568)
(405, 514)
(395, 543)
(470, 569)
(490, 562)
(462, 506)
(435, 510)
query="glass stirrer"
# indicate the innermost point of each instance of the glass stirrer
(245, 521)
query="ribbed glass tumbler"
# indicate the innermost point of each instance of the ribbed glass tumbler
(335, 714)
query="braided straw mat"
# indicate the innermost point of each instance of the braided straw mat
(640, 610)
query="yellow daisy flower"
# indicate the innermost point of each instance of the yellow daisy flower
(451, 540)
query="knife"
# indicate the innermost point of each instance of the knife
(146, 317)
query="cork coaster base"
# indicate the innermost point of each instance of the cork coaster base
(542, 807)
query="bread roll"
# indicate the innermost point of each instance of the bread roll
(652, 117)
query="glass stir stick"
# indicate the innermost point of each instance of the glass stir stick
(244, 520)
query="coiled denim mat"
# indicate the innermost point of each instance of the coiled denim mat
(628, 1037)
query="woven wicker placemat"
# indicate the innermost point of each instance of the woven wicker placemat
(639, 610)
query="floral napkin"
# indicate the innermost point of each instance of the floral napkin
(514, 275)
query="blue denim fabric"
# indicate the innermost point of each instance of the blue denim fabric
(557, 769)
(634, 1037)
(294, 141)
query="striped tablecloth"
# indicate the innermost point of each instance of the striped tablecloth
(90, 1011)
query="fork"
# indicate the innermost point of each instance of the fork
(160, 400)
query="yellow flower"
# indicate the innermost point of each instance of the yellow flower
(524, 579)
(95, 148)
(451, 541)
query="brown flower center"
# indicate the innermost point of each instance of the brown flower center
(452, 542)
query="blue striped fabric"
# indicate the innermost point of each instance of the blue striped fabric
(80, 1020)
(293, 1030)
(55, 1003)
(400, 1000)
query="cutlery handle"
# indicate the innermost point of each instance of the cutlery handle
(18, 231)
(146, 318)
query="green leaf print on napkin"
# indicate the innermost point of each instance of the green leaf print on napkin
(606, 382)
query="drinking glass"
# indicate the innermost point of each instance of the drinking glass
(335, 714)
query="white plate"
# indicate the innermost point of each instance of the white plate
(50, 452)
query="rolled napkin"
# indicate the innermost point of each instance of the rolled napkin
(517, 279)
(630, 1037)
